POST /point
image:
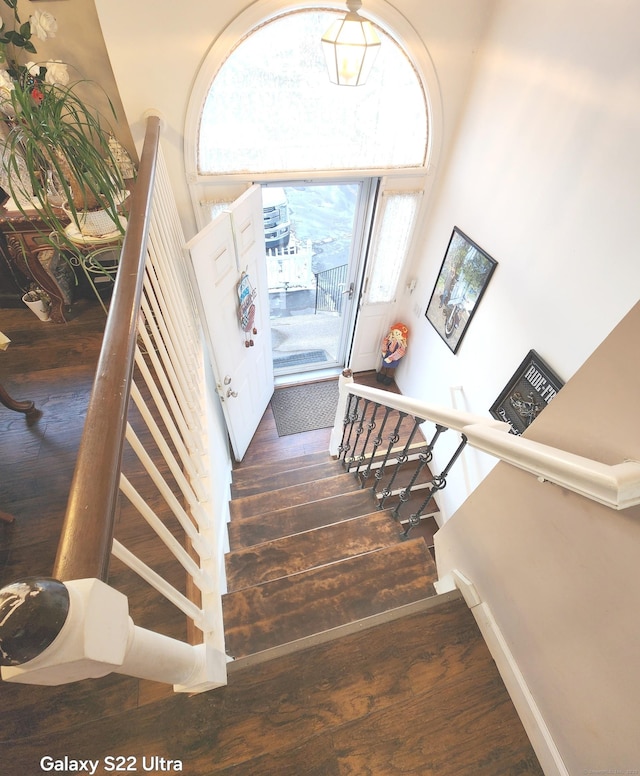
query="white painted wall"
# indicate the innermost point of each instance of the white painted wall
(544, 176)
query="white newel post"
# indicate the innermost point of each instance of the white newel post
(84, 631)
(345, 380)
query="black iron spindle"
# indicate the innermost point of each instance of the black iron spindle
(355, 458)
(371, 425)
(350, 418)
(393, 440)
(425, 456)
(401, 458)
(376, 444)
(345, 424)
(438, 483)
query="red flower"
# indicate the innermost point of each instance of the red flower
(36, 95)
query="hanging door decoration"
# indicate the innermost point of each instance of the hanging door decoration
(247, 295)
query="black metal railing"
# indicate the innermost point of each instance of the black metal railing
(386, 450)
(330, 288)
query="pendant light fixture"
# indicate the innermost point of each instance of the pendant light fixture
(350, 47)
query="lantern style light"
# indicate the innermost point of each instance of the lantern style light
(350, 47)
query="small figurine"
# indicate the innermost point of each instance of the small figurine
(393, 348)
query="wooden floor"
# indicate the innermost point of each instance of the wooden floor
(417, 696)
(53, 365)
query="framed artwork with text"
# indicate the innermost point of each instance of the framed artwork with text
(527, 393)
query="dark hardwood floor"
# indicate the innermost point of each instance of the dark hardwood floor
(52, 365)
(420, 695)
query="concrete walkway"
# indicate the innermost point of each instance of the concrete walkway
(303, 334)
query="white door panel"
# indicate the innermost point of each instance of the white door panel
(373, 320)
(231, 244)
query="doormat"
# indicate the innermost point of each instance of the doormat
(300, 359)
(305, 407)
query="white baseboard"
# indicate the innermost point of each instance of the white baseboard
(541, 740)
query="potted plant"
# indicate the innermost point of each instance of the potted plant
(38, 302)
(57, 157)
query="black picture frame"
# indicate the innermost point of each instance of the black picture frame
(533, 385)
(463, 278)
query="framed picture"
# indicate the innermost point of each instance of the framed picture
(527, 393)
(463, 278)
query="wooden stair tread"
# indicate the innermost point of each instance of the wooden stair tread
(293, 495)
(286, 609)
(244, 474)
(267, 479)
(310, 549)
(297, 519)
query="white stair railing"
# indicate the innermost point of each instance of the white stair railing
(89, 631)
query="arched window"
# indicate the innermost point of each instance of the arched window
(270, 107)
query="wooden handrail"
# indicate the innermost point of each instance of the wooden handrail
(84, 548)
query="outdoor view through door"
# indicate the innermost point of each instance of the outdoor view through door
(311, 234)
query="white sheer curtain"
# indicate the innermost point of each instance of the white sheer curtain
(396, 223)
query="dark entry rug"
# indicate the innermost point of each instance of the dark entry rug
(301, 408)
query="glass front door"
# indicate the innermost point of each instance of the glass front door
(314, 234)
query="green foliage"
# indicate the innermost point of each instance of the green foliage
(62, 141)
(21, 38)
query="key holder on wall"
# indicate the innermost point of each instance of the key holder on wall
(246, 295)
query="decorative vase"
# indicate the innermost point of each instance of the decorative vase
(96, 223)
(14, 174)
(37, 306)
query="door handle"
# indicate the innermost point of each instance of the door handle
(349, 291)
(230, 393)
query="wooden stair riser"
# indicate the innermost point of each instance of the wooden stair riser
(310, 549)
(314, 601)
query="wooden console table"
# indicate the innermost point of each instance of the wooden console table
(23, 246)
(26, 407)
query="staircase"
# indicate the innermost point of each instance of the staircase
(311, 552)
(347, 661)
